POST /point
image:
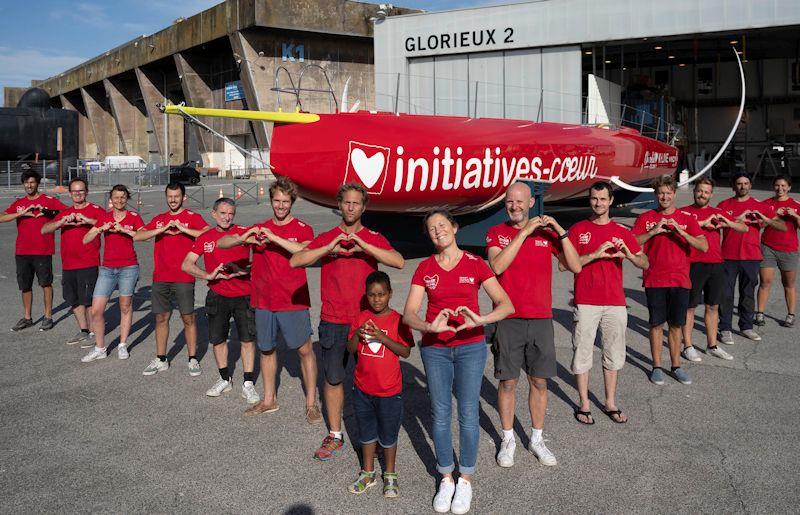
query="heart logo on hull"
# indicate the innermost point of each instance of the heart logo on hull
(369, 169)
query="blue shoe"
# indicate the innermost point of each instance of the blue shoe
(681, 375)
(657, 376)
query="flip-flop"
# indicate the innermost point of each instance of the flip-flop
(587, 414)
(612, 413)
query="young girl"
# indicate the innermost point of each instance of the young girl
(379, 339)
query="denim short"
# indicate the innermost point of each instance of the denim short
(294, 327)
(378, 418)
(334, 355)
(110, 279)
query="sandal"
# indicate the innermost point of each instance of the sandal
(390, 486)
(364, 481)
(587, 414)
(615, 416)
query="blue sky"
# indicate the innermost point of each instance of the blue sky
(41, 38)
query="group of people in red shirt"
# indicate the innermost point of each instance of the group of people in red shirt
(256, 277)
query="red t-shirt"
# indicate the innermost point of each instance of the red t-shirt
(737, 246)
(527, 280)
(780, 240)
(74, 254)
(118, 251)
(206, 246)
(30, 240)
(712, 234)
(172, 246)
(599, 283)
(377, 368)
(458, 287)
(276, 285)
(343, 275)
(668, 253)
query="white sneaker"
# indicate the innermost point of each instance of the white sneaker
(505, 458)
(691, 354)
(155, 367)
(249, 393)
(95, 354)
(719, 353)
(122, 351)
(540, 450)
(751, 334)
(725, 337)
(194, 368)
(463, 497)
(220, 387)
(441, 503)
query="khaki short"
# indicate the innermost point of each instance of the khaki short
(612, 322)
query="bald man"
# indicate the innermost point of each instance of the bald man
(521, 253)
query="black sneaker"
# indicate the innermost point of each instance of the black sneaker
(47, 324)
(759, 320)
(23, 323)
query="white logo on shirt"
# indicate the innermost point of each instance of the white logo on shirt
(503, 240)
(541, 243)
(431, 281)
(374, 348)
(466, 280)
(584, 238)
(208, 247)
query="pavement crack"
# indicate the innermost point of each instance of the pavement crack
(731, 481)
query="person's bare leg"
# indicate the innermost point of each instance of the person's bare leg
(27, 303)
(506, 402)
(789, 290)
(308, 367)
(269, 367)
(712, 325)
(98, 311)
(537, 401)
(688, 328)
(47, 292)
(656, 342)
(765, 278)
(582, 382)
(221, 354)
(334, 401)
(368, 456)
(162, 333)
(80, 316)
(190, 333)
(248, 356)
(610, 382)
(125, 318)
(674, 342)
(389, 458)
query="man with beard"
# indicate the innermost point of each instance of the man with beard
(228, 276)
(707, 273)
(599, 300)
(742, 256)
(668, 235)
(34, 250)
(349, 253)
(520, 252)
(280, 295)
(175, 231)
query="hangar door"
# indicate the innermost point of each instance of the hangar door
(539, 84)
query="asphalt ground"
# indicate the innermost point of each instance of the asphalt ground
(101, 437)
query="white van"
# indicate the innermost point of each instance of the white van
(124, 163)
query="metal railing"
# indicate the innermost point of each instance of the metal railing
(11, 172)
(152, 175)
(470, 98)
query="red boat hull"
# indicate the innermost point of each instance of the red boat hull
(412, 163)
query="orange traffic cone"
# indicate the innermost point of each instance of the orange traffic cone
(220, 193)
(261, 191)
(238, 193)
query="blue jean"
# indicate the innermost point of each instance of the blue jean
(747, 274)
(123, 278)
(458, 370)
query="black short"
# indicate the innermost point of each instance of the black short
(28, 266)
(708, 284)
(77, 286)
(524, 343)
(333, 343)
(667, 305)
(219, 311)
